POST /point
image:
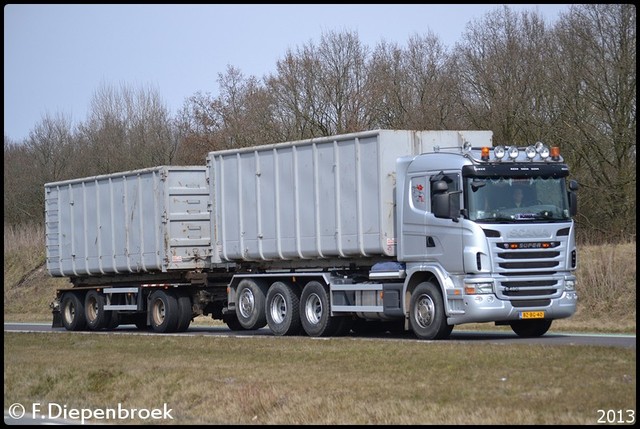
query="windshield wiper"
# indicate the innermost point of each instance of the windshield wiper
(496, 219)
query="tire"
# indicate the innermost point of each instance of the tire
(283, 309)
(251, 299)
(427, 317)
(94, 312)
(232, 322)
(315, 311)
(531, 328)
(185, 313)
(72, 312)
(163, 310)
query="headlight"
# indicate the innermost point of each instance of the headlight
(478, 288)
(570, 285)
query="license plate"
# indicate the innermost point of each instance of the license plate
(532, 314)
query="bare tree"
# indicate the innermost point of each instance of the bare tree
(51, 146)
(389, 92)
(321, 90)
(23, 193)
(128, 129)
(595, 79)
(501, 66)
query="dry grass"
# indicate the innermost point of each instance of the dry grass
(300, 380)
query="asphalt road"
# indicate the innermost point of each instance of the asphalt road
(458, 335)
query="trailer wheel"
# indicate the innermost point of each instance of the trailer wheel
(427, 317)
(251, 301)
(283, 309)
(531, 328)
(72, 312)
(163, 307)
(97, 317)
(185, 313)
(232, 322)
(315, 312)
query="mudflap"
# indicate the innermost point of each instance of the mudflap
(57, 320)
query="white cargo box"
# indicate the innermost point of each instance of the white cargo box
(319, 198)
(149, 220)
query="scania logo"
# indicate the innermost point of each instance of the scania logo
(529, 233)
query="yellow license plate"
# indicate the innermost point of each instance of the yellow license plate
(532, 315)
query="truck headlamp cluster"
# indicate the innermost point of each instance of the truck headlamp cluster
(478, 288)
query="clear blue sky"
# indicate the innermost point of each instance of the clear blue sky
(57, 56)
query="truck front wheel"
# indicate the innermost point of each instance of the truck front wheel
(427, 317)
(71, 308)
(283, 309)
(531, 328)
(251, 300)
(164, 311)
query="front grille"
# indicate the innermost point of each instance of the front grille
(528, 275)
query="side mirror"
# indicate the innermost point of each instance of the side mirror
(573, 185)
(441, 205)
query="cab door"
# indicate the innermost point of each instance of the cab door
(444, 236)
(414, 215)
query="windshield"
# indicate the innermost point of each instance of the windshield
(505, 199)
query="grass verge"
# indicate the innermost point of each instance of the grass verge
(300, 380)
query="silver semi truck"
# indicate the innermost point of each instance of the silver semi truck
(383, 229)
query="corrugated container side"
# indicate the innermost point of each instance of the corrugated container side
(317, 198)
(138, 221)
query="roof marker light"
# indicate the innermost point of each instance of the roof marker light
(485, 153)
(544, 152)
(555, 153)
(531, 152)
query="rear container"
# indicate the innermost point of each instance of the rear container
(319, 198)
(149, 220)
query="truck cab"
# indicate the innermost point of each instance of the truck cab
(488, 258)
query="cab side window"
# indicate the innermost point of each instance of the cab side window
(419, 193)
(453, 184)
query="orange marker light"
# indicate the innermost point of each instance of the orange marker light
(485, 153)
(555, 152)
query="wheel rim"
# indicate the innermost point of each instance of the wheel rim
(247, 303)
(92, 309)
(313, 309)
(159, 311)
(424, 311)
(278, 308)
